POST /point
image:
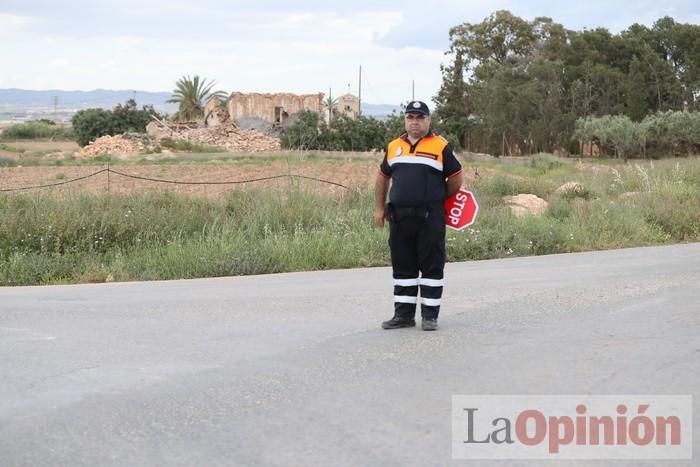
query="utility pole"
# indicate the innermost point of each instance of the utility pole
(330, 105)
(55, 108)
(359, 94)
(413, 90)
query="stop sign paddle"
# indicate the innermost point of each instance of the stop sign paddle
(460, 210)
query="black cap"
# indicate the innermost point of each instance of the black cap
(417, 107)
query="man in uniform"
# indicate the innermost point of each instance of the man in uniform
(422, 171)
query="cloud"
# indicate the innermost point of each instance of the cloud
(305, 52)
(268, 45)
(151, 8)
(9, 20)
(59, 63)
(11, 24)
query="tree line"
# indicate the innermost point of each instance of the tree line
(660, 134)
(343, 133)
(514, 86)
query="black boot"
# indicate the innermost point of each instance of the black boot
(430, 324)
(399, 321)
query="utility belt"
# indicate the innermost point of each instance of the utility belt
(398, 213)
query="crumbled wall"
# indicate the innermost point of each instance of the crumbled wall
(241, 105)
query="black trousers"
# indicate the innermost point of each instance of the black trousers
(417, 244)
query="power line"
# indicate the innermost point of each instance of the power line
(379, 101)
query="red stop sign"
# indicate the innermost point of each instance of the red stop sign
(460, 210)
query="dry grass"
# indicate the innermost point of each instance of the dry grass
(352, 174)
(67, 146)
(86, 233)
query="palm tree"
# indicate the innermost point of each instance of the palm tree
(332, 105)
(191, 93)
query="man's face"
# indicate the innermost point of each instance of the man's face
(417, 124)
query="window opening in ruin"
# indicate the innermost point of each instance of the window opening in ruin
(278, 114)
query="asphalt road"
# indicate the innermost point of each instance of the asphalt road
(293, 369)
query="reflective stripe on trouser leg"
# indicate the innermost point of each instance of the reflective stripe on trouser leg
(405, 296)
(431, 262)
(431, 295)
(405, 268)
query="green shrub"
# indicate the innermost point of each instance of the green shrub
(500, 185)
(343, 134)
(560, 208)
(302, 134)
(544, 162)
(359, 134)
(7, 148)
(90, 124)
(36, 130)
(678, 218)
(505, 185)
(7, 162)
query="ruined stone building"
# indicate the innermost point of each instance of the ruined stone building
(273, 108)
(215, 113)
(257, 110)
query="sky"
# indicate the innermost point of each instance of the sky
(268, 46)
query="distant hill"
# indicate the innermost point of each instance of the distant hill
(26, 102)
(379, 110)
(76, 100)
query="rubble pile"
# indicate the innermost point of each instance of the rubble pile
(227, 136)
(263, 126)
(118, 145)
(231, 138)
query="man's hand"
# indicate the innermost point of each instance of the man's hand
(381, 186)
(454, 183)
(379, 216)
